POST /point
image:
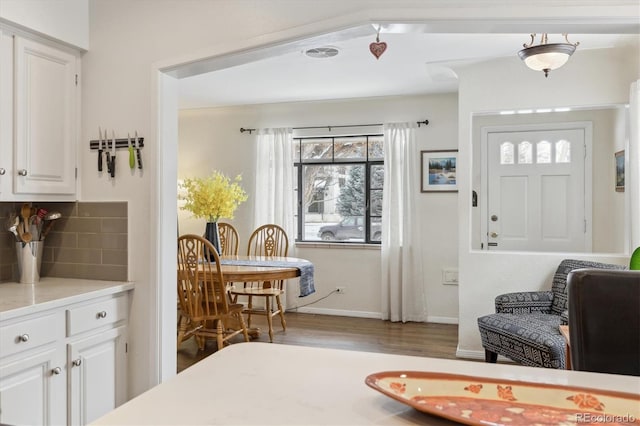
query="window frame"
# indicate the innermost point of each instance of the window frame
(299, 164)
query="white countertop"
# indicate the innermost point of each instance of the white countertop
(18, 299)
(270, 384)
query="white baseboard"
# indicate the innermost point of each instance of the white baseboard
(365, 314)
(462, 353)
(465, 353)
(337, 312)
(442, 320)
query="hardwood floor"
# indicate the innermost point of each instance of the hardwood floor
(358, 334)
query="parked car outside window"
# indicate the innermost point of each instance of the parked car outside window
(349, 228)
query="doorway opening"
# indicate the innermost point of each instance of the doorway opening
(538, 186)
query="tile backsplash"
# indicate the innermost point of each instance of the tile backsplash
(88, 241)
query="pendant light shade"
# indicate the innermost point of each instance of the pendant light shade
(546, 56)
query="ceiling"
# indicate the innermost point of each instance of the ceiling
(414, 63)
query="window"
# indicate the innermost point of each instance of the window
(338, 188)
(506, 153)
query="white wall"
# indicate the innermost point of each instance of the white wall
(507, 85)
(132, 40)
(210, 139)
(62, 20)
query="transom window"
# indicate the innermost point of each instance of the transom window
(338, 188)
(545, 152)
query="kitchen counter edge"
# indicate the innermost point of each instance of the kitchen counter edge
(18, 299)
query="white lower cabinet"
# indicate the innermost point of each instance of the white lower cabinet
(33, 391)
(97, 375)
(66, 365)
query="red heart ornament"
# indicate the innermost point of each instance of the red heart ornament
(378, 48)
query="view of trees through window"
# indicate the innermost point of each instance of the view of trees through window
(339, 188)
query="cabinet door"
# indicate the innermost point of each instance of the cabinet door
(45, 119)
(6, 112)
(97, 375)
(32, 390)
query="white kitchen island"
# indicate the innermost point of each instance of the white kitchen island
(270, 384)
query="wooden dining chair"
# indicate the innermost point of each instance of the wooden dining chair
(202, 294)
(267, 240)
(229, 241)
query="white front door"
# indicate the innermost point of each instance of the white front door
(536, 190)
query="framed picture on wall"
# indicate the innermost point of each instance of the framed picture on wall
(438, 171)
(619, 171)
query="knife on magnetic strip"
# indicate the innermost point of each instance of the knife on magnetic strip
(137, 143)
(113, 154)
(99, 149)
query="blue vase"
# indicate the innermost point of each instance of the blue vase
(211, 233)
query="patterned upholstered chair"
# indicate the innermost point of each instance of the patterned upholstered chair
(525, 325)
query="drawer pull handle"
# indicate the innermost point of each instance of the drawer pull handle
(77, 362)
(22, 172)
(24, 338)
(102, 314)
(56, 371)
(2, 171)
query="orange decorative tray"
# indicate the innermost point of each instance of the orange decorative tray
(484, 401)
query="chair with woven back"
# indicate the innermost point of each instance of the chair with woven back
(205, 307)
(229, 240)
(267, 240)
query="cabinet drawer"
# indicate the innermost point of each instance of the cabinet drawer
(30, 333)
(98, 314)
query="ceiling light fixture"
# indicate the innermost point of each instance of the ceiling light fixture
(546, 56)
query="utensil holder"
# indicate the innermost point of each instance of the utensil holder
(29, 261)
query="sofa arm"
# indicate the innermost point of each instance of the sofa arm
(524, 302)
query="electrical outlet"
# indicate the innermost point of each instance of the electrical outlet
(341, 290)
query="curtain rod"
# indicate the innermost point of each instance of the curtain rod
(242, 129)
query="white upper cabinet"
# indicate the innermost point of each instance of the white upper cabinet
(39, 152)
(45, 82)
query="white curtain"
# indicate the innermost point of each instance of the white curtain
(632, 168)
(403, 294)
(273, 193)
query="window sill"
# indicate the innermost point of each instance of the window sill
(338, 245)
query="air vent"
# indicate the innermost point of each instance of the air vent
(322, 52)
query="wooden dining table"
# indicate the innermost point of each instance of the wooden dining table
(259, 268)
(254, 272)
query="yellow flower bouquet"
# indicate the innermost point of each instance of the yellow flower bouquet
(213, 197)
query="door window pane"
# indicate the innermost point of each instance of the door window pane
(506, 153)
(525, 153)
(563, 151)
(543, 149)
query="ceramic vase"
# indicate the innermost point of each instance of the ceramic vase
(211, 233)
